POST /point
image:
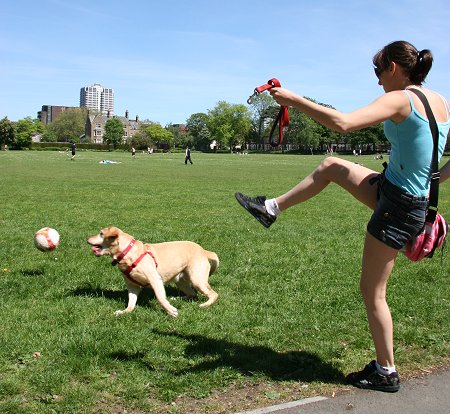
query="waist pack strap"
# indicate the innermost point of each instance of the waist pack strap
(434, 183)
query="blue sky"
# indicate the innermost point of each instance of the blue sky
(166, 60)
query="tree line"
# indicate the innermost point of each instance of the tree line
(226, 126)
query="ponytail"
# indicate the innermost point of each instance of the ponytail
(423, 65)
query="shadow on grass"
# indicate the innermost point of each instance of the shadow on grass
(33, 272)
(137, 357)
(121, 296)
(253, 359)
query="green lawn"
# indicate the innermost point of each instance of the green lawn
(289, 321)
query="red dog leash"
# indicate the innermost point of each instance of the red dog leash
(282, 120)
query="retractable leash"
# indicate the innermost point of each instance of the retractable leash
(282, 120)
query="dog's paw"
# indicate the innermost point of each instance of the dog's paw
(119, 312)
(172, 312)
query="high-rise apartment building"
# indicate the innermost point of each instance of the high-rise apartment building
(98, 98)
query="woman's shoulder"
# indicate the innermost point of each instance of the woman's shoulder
(438, 103)
(395, 104)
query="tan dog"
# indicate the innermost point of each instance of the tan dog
(153, 265)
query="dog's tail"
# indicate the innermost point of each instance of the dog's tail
(214, 260)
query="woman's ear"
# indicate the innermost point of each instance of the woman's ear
(392, 67)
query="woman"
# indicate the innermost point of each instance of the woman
(398, 197)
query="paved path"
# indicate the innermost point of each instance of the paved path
(429, 395)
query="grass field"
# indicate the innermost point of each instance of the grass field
(289, 321)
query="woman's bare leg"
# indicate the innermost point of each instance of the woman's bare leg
(377, 263)
(378, 259)
(352, 177)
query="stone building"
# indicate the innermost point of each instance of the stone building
(95, 126)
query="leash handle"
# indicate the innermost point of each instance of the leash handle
(271, 83)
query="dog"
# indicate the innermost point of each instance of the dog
(153, 265)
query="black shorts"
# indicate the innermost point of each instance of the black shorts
(398, 216)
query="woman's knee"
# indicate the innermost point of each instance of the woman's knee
(328, 162)
(330, 167)
(372, 294)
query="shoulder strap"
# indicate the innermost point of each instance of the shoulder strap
(434, 184)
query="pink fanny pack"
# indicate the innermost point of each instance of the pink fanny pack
(428, 240)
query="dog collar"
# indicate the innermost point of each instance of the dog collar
(124, 253)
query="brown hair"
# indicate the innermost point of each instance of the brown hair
(415, 64)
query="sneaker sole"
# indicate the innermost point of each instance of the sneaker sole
(243, 203)
(382, 388)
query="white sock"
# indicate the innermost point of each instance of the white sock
(272, 207)
(384, 370)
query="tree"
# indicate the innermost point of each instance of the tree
(181, 139)
(69, 126)
(203, 139)
(229, 124)
(159, 135)
(113, 132)
(7, 132)
(195, 124)
(303, 130)
(49, 136)
(371, 136)
(263, 106)
(25, 129)
(140, 140)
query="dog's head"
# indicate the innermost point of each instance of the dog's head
(106, 242)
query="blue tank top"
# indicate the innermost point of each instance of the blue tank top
(411, 151)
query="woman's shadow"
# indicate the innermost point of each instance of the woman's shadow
(252, 360)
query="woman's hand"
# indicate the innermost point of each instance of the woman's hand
(284, 97)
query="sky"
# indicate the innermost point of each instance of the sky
(167, 60)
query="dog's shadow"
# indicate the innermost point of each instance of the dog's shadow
(250, 360)
(38, 271)
(145, 298)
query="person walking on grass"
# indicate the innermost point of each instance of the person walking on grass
(188, 156)
(398, 196)
(74, 150)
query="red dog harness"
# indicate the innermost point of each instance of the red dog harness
(282, 120)
(130, 268)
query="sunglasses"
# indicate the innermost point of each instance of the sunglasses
(378, 72)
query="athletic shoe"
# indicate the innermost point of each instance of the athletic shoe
(256, 207)
(369, 378)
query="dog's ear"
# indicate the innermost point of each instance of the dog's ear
(110, 233)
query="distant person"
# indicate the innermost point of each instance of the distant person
(133, 152)
(188, 156)
(74, 150)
